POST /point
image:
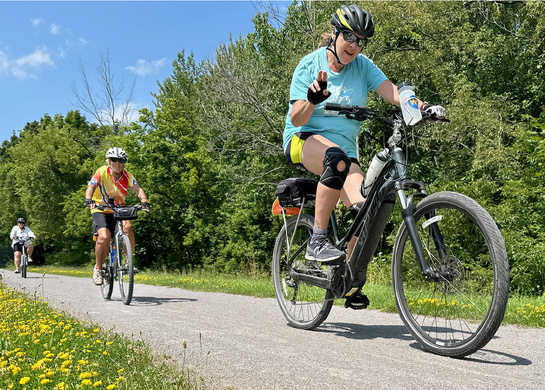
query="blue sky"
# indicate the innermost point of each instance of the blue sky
(42, 44)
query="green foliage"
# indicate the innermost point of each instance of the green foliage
(209, 155)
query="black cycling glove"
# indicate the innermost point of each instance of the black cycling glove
(318, 97)
(145, 205)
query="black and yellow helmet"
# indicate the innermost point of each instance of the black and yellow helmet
(353, 18)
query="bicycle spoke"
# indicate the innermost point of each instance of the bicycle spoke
(304, 305)
(454, 315)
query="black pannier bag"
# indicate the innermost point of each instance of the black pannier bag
(291, 192)
(125, 213)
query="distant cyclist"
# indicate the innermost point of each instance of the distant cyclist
(110, 181)
(19, 233)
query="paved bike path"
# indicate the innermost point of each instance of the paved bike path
(240, 342)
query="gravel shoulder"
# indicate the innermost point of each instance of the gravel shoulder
(239, 342)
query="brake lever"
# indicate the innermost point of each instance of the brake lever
(434, 118)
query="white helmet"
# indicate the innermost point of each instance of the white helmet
(117, 153)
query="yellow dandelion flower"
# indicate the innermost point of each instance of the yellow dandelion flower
(105, 353)
(24, 380)
(97, 383)
(39, 364)
(85, 375)
(111, 387)
(86, 382)
(45, 381)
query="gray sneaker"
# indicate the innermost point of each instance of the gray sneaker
(320, 249)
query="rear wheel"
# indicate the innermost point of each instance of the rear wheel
(304, 306)
(460, 313)
(125, 270)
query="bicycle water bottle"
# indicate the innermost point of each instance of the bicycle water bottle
(112, 259)
(409, 104)
(374, 170)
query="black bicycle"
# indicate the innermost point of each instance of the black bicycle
(450, 272)
(118, 265)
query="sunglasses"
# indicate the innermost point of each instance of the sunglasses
(351, 38)
(119, 160)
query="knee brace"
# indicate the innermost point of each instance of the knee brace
(332, 177)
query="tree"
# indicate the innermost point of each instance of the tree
(109, 106)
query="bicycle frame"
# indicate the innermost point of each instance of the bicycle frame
(114, 245)
(370, 222)
(24, 258)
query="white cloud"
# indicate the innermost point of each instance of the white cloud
(54, 29)
(4, 62)
(36, 59)
(146, 68)
(125, 113)
(36, 22)
(26, 66)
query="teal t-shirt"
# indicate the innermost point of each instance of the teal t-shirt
(350, 86)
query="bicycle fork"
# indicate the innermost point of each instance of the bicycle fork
(407, 212)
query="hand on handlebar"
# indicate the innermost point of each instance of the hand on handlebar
(90, 203)
(435, 112)
(145, 206)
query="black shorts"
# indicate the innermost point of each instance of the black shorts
(103, 220)
(18, 247)
(295, 147)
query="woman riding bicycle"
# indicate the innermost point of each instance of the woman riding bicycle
(19, 233)
(110, 181)
(326, 145)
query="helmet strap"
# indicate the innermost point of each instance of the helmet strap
(334, 50)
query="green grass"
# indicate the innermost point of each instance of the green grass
(44, 349)
(525, 311)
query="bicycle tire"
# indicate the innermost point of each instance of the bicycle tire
(24, 265)
(107, 286)
(459, 314)
(125, 270)
(303, 305)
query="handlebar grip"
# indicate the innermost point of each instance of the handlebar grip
(337, 107)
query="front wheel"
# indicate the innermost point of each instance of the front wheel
(125, 271)
(304, 306)
(107, 285)
(24, 265)
(459, 313)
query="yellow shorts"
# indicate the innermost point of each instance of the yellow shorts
(295, 146)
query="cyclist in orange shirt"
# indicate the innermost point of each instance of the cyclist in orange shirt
(110, 181)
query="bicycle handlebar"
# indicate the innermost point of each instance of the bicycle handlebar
(138, 207)
(362, 113)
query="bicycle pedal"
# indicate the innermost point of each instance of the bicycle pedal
(357, 301)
